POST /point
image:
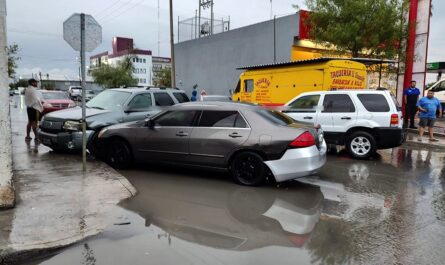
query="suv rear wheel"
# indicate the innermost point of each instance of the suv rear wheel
(361, 145)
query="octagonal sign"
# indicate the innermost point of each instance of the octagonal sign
(93, 32)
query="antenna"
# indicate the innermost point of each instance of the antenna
(159, 32)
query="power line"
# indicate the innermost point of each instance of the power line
(107, 8)
(117, 9)
(124, 11)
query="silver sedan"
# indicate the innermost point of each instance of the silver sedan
(252, 142)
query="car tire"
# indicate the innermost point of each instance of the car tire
(119, 154)
(361, 145)
(247, 168)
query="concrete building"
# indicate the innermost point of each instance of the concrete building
(160, 63)
(210, 62)
(124, 48)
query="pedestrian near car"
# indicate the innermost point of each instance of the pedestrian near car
(411, 95)
(34, 108)
(428, 106)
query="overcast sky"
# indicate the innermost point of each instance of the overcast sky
(36, 26)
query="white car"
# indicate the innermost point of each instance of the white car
(362, 120)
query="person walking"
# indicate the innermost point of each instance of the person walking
(428, 106)
(34, 108)
(411, 95)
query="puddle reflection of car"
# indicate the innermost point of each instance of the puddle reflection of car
(55, 100)
(249, 141)
(219, 215)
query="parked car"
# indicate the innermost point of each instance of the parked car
(11, 92)
(250, 141)
(55, 100)
(215, 98)
(363, 120)
(61, 130)
(75, 92)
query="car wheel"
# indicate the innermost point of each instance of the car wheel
(119, 154)
(248, 168)
(361, 145)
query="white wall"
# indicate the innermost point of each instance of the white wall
(143, 70)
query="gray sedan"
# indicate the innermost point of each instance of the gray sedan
(251, 141)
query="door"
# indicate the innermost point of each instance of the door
(342, 111)
(217, 134)
(168, 139)
(138, 108)
(304, 109)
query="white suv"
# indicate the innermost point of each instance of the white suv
(363, 120)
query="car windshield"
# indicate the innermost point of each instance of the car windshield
(109, 100)
(54, 95)
(275, 117)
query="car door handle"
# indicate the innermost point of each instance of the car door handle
(235, 135)
(181, 134)
(308, 118)
(345, 118)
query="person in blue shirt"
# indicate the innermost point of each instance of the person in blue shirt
(428, 109)
(194, 95)
(411, 95)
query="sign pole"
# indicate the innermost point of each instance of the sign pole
(82, 66)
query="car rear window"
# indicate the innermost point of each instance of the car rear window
(374, 102)
(163, 99)
(275, 117)
(181, 97)
(224, 119)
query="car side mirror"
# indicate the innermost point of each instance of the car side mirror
(149, 123)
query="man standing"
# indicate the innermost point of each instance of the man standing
(411, 96)
(34, 108)
(428, 107)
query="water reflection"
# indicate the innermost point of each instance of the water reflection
(230, 216)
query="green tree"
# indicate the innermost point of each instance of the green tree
(163, 78)
(12, 51)
(367, 28)
(115, 76)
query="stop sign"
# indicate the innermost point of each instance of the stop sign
(93, 32)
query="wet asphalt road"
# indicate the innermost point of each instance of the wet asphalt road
(390, 210)
(387, 211)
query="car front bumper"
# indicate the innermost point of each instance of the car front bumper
(64, 141)
(298, 162)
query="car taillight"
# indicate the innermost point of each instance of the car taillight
(394, 120)
(304, 140)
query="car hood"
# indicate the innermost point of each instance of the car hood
(74, 113)
(58, 101)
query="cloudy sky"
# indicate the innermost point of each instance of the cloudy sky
(36, 26)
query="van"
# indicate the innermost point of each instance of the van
(439, 92)
(276, 84)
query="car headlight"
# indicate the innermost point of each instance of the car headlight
(72, 126)
(101, 133)
(47, 105)
(71, 105)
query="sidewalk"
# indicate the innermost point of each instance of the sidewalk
(439, 133)
(57, 203)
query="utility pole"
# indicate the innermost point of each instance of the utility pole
(159, 32)
(172, 47)
(40, 79)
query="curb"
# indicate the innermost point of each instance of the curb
(415, 131)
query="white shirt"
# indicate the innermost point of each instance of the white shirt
(33, 98)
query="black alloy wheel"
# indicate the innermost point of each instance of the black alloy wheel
(119, 154)
(248, 169)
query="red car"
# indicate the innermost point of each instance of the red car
(55, 100)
